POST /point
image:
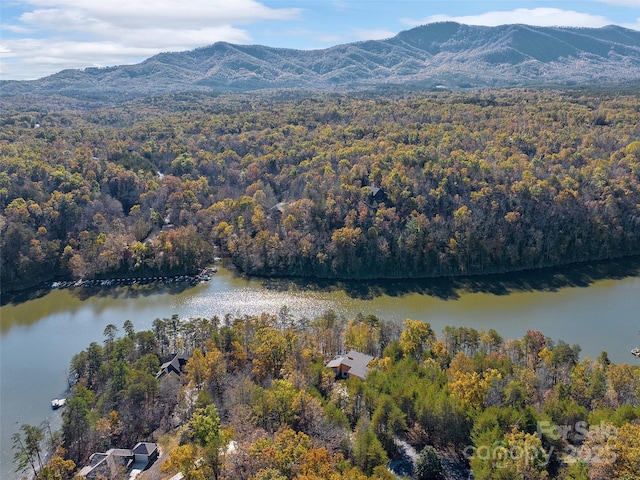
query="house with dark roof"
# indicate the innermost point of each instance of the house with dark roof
(175, 366)
(375, 196)
(120, 463)
(278, 208)
(113, 463)
(351, 364)
(145, 453)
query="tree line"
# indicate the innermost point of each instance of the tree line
(471, 183)
(256, 401)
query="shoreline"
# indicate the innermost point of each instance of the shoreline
(550, 278)
(24, 295)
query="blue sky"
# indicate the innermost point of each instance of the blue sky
(41, 37)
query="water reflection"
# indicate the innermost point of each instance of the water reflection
(38, 337)
(543, 280)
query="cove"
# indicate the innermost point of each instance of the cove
(597, 306)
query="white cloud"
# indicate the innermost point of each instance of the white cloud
(634, 26)
(41, 56)
(328, 39)
(15, 29)
(621, 3)
(341, 5)
(138, 14)
(530, 16)
(365, 34)
(57, 34)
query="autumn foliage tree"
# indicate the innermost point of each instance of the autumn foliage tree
(363, 186)
(255, 400)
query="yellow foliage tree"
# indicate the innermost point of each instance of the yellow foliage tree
(58, 468)
(417, 338)
(472, 387)
(525, 458)
(627, 447)
(183, 459)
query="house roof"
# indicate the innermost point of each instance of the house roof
(356, 361)
(108, 464)
(114, 460)
(120, 452)
(374, 191)
(145, 448)
(174, 365)
(96, 458)
(279, 207)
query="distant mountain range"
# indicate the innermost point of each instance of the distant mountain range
(439, 55)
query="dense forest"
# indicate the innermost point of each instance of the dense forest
(255, 401)
(361, 186)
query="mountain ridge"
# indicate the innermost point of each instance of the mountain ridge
(439, 54)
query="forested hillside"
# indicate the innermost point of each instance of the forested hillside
(464, 183)
(255, 401)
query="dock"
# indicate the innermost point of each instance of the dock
(194, 279)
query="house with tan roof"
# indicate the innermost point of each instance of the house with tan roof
(351, 364)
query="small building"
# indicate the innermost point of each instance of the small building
(279, 207)
(277, 211)
(145, 453)
(120, 463)
(114, 463)
(175, 366)
(375, 196)
(351, 364)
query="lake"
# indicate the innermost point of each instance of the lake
(596, 306)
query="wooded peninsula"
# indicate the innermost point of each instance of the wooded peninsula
(353, 186)
(273, 397)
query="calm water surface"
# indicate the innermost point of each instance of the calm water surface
(39, 337)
